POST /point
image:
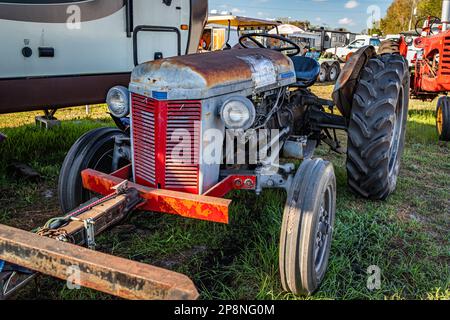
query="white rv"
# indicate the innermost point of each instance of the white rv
(63, 53)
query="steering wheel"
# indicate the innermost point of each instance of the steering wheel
(433, 20)
(252, 38)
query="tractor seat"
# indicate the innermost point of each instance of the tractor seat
(306, 70)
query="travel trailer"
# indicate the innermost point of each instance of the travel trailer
(64, 53)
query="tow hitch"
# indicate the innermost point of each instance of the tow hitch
(55, 250)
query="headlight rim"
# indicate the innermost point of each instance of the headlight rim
(124, 92)
(250, 107)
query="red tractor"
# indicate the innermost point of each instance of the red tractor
(187, 129)
(432, 67)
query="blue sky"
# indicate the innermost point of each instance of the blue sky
(351, 14)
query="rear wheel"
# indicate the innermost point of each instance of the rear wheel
(307, 227)
(376, 133)
(94, 150)
(334, 71)
(443, 118)
(323, 73)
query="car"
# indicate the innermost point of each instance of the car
(343, 53)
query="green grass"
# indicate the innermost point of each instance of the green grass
(406, 236)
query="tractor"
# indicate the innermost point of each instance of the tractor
(191, 129)
(432, 67)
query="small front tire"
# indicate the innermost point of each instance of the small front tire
(307, 227)
(94, 150)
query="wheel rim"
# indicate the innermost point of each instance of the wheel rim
(333, 73)
(440, 121)
(397, 133)
(104, 162)
(324, 229)
(322, 74)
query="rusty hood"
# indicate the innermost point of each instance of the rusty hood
(200, 76)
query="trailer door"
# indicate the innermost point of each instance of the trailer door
(161, 29)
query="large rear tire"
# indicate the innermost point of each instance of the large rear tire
(376, 133)
(307, 227)
(94, 150)
(443, 118)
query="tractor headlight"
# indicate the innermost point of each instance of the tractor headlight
(118, 101)
(238, 113)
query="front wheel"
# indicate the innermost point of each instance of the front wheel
(377, 126)
(443, 118)
(94, 150)
(307, 227)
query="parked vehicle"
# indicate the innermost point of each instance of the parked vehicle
(169, 154)
(332, 38)
(66, 53)
(330, 68)
(431, 74)
(344, 53)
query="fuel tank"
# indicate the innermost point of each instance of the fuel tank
(205, 75)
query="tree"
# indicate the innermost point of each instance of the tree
(400, 12)
(397, 17)
(429, 8)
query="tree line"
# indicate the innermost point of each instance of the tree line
(400, 15)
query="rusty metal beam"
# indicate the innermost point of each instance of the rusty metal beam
(113, 275)
(164, 201)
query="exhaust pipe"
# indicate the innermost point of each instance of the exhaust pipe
(445, 14)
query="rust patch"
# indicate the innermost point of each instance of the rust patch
(221, 67)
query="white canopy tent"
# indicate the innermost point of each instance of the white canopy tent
(286, 29)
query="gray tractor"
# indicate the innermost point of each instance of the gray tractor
(250, 89)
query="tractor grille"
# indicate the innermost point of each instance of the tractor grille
(166, 143)
(144, 151)
(445, 64)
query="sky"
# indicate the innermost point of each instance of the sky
(355, 15)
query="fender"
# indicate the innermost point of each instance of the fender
(348, 79)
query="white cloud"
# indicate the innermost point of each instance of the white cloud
(351, 4)
(237, 11)
(346, 22)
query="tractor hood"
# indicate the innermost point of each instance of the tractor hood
(205, 75)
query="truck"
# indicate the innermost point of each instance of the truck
(345, 52)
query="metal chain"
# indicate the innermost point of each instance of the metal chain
(57, 234)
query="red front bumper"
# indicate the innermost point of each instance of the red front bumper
(182, 204)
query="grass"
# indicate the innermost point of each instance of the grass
(407, 237)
